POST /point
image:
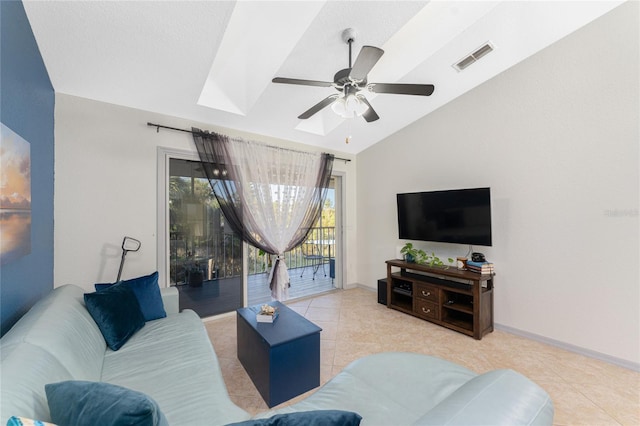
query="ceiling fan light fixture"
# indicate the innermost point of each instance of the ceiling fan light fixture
(358, 106)
(340, 108)
(349, 106)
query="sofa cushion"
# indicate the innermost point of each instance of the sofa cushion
(147, 292)
(170, 300)
(499, 397)
(26, 369)
(179, 348)
(370, 387)
(77, 342)
(117, 312)
(307, 418)
(83, 403)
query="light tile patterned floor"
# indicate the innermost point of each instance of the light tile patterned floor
(584, 391)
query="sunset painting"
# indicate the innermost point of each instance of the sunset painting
(15, 196)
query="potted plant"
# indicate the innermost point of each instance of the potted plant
(415, 255)
(412, 254)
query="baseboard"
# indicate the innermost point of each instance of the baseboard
(571, 348)
(362, 286)
(219, 316)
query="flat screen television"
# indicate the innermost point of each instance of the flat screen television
(461, 216)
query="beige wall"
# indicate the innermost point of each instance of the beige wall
(556, 139)
(106, 183)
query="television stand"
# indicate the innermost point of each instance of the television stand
(459, 300)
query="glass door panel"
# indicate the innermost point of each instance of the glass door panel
(205, 254)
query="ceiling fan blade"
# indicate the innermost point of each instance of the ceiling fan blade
(302, 82)
(366, 59)
(402, 89)
(317, 107)
(370, 114)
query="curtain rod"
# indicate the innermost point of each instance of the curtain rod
(158, 126)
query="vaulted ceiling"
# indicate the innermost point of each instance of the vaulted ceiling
(213, 61)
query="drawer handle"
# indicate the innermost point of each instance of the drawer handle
(426, 311)
(426, 293)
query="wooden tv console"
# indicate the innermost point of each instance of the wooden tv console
(459, 300)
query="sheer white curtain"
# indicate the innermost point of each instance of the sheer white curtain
(271, 196)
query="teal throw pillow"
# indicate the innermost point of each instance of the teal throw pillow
(117, 312)
(147, 291)
(307, 418)
(98, 403)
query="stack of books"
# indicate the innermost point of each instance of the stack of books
(484, 268)
(267, 314)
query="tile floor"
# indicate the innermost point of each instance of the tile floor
(584, 391)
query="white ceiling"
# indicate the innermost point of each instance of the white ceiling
(213, 61)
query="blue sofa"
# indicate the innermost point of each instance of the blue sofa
(172, 361)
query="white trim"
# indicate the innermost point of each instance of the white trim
(340, 236)
(571, 348)
(245, 273)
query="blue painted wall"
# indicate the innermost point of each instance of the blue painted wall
(27, 108)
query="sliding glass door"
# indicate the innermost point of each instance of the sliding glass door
(205, 255)
(199, 254)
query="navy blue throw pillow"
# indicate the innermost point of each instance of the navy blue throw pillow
(77, 402)
(307, 418)
(147, 291)
(117, 312)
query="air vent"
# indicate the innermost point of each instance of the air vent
(473, 57)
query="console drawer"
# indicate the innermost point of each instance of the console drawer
(427, 292)
(426, 309)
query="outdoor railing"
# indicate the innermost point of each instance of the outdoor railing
(323, 238)
(221, 257)
(213, 258)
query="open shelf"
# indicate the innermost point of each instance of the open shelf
(457, 302)
(403, 302)
(401, 294)
(402, 291)
(460, 319)
(459, 308)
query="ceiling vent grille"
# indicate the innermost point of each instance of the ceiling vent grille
(473, 57)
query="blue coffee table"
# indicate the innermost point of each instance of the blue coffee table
(282, 358)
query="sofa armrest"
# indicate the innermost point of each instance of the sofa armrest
(170, 299)
(500, 397)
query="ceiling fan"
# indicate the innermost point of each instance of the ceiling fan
(349, 82)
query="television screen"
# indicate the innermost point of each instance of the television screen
(461, 216)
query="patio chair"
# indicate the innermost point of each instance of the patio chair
(312, 257)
